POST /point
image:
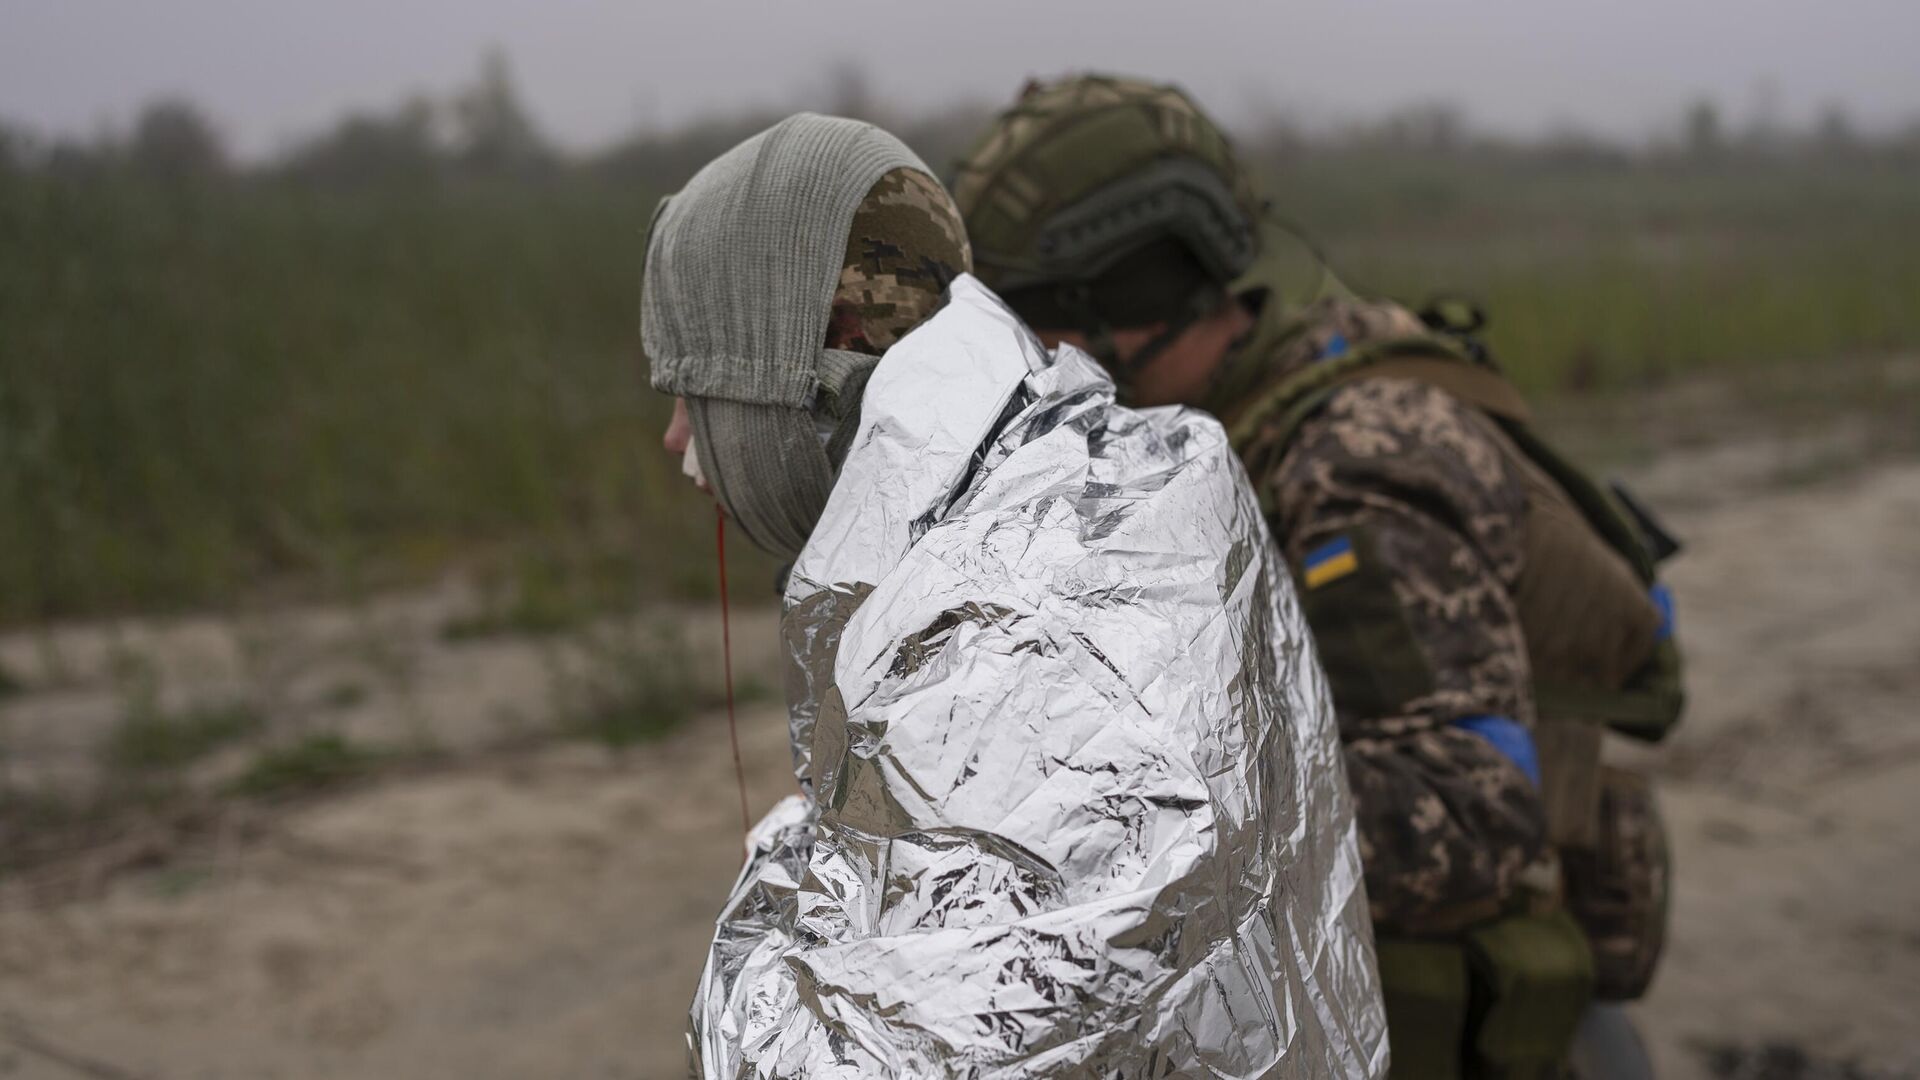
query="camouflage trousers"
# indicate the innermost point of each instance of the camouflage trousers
(1618, 889)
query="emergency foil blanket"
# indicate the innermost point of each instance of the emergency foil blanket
(1074, 803)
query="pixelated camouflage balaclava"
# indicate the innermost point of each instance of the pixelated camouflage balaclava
(773, 282)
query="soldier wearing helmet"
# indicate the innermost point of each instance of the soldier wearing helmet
(1483, 609)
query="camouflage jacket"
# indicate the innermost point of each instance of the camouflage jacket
(1403, 522)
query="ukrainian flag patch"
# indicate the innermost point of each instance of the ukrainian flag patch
(1330, 561)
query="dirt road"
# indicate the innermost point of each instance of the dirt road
(543, 914)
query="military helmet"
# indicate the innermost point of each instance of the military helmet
(1098, 202)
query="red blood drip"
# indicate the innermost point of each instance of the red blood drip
(726, 653)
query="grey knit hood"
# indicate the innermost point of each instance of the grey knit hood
(741, 267)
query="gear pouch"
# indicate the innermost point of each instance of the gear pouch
(1618, 889)
(1424, 984)
(1532, 977)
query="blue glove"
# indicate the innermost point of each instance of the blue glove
(1509, 737)
(1663, 599)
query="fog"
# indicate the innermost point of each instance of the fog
(593, 69)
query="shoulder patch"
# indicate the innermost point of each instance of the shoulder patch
(1329, 562)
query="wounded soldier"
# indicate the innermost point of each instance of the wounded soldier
(1072, 801)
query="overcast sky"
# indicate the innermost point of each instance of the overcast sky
(271, 70)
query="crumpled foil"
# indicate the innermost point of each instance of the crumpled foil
(1073, 802)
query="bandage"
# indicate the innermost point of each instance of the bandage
(690, 466)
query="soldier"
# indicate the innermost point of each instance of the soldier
(1042, 831)
(1481, 607)
(761, 457)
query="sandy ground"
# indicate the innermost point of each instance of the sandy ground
(543, 912)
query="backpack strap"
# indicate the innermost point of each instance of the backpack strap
(1649, 706)
(1262, 430)
(1261, 433)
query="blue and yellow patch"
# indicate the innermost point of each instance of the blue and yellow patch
(1330, 561)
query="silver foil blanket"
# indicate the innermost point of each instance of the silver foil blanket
(1073, 802)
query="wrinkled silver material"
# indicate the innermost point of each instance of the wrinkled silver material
(1075, 799)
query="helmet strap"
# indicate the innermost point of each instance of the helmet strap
(1077, 300)
(1204, 301)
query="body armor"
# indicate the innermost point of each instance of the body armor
(1502, 999)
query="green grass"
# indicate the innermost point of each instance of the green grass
(753, 690)
(314, 762)
(551, 592)
(631, 685)
(147, 739)
(1608, 276)
(173, 882)
(203, 390)
(344, 695)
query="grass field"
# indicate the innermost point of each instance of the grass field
(1597, 278)
(209, 390)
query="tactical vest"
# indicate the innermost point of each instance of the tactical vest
(1504, 998)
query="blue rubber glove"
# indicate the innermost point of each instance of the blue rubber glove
(1509, 737)
(1663, 599)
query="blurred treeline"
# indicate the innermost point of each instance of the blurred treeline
(410, 341)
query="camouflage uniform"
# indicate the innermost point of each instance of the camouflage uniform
(1447, 518)
(1459, 576)
(1447, 823)
(905, 246)
(1617, 889)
